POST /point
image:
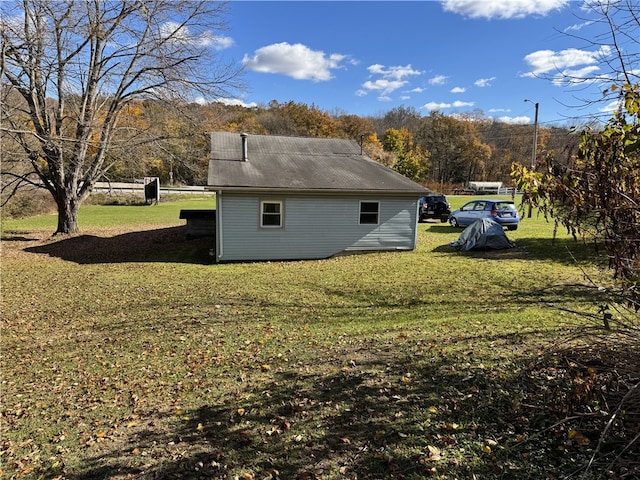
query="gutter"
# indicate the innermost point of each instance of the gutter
(310, 191)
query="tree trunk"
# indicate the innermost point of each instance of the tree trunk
(67, 213)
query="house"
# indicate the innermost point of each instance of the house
(292, 198)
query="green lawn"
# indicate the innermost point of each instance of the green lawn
(101, 216)
(127, 354)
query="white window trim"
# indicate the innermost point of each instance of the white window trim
(271, 227)
(377, 222)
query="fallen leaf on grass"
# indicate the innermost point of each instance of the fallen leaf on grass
(434, 454)
(578, 438)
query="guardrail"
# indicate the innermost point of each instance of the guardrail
(138, 188)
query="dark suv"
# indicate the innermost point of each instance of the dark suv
(434, 205)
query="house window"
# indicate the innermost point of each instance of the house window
(271, 214)
(369, 213)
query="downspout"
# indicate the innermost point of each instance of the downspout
(415, 225)
(219, 243)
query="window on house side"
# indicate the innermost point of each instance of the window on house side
(271, 214)
(369, 213)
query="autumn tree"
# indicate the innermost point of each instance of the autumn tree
(297, 119)
(411, 159)
(398, 118)
(457, 151)
(597, 194)
(76, 66)
(373, 148)
(355, 127)
(597, 191)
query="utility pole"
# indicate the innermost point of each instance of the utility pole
(535, 135)
(535, 147)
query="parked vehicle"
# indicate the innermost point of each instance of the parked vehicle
(503, 212)
(434, 206)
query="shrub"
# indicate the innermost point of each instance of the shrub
(27, 203)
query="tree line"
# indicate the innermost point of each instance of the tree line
(436, 150)
(170, 140)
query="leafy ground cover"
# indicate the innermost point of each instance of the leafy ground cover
(127, 354)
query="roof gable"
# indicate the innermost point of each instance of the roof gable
(276, 162)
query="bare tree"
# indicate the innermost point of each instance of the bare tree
(71, 67)
(610, 28)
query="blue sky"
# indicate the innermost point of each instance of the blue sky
(454, 56)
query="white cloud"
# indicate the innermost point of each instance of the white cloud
(575, 77)
(181, 34)
(566, 67)
(443, 105)
(611, 107)
(392, 79)
(545, 61)
(578, 26)
(502, 9)
(484, 82)
(438, 80)
(522, 120)
(296, 61)
(383, 86)
(436, 106)
(458, 90)
(219, 43)
(236, 102)
(395, 73)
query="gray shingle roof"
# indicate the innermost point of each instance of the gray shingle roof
(299, 164)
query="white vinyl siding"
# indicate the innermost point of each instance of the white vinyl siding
(316, 227)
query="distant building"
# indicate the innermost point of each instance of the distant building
(485, 187)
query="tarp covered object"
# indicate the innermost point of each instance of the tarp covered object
(483, 233)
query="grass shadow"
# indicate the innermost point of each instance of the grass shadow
(382, 415)
(564, 251)
(158, 245)
(13, 237)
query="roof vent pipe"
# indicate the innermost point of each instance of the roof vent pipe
(244, 147)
